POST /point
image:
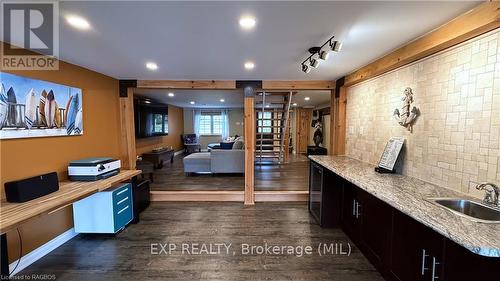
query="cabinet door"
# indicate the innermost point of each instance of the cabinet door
(462, 264)
(331, 198)
(416, 250)
(376, 226)
(350, 215)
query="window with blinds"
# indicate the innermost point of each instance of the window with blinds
(264, 122)
(211, 123)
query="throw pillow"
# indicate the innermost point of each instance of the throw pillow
(238, 144)
(226, 145)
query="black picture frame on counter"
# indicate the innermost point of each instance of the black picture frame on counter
(384, 171)
(391, 156)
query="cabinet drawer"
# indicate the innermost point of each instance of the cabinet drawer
(122, 216)
(122, 192)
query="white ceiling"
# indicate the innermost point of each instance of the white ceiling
(232, 98)
(316, 98)
(202, 98)
(202, 40)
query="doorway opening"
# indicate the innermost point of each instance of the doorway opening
(289, 126)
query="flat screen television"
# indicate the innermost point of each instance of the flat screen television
(151, 118)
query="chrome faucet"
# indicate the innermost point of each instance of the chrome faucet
(492, 196)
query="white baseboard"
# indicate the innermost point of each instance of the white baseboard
(43, 250)
(178, 152)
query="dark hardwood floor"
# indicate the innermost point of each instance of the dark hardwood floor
(172, 177)
(128, 255)
(291, 176)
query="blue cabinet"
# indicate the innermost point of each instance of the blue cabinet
(104, 212)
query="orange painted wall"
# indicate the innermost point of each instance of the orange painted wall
(21, 158)
(175, 130)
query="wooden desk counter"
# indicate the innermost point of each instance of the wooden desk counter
(14, 214)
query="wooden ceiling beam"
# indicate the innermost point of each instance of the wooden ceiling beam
(483, 18)
(187, 84)
(298, 85)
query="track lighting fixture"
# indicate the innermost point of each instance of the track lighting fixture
(336, 46)
(324, 55)
(305, 68)
(312, 61)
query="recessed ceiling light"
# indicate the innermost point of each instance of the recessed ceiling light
(249, 65)
(247, 22)
(171, 94)
(222, 100)
(78, 22)
(151, 66)
(307, 98)
(294, 104)
(191, 102)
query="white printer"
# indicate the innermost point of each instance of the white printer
(91, 169)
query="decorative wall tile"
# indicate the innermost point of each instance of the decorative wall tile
(455, 141)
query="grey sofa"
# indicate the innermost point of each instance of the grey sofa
(216, 161)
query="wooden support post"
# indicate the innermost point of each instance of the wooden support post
(249, 121)
(286, 145)
(340, 118)
(128, 151)
(298, 85)
(187, 84)
(333, 129)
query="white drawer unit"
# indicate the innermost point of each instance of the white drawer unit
(104, 212)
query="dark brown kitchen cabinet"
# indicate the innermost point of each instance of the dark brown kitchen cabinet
(462, 264)
(376, 224)
(367, 221)
(351, 212)
(416, 251)
(400, 247)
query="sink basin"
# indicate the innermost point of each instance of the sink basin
(474, 210)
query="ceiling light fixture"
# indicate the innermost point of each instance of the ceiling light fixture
(336, 46)
(78, 22)
(312, 61)
(307, 98)
(171, 94)
(222, 100)
(249, 65)
(324, 55)
(192, 102)
(247, 22)
(151, 66)
(294, 104)
(306, 68)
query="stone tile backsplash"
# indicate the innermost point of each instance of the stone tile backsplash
(455, 141)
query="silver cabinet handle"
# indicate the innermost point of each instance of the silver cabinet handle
(434, 263)
(354, 207)
(424, 255)
(357, 209)
(121, 191)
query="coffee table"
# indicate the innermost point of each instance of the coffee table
(158, 157)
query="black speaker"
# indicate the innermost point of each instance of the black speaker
(31, 188)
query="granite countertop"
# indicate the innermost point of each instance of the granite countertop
(409, 195)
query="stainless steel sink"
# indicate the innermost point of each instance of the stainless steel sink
(474, 210)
